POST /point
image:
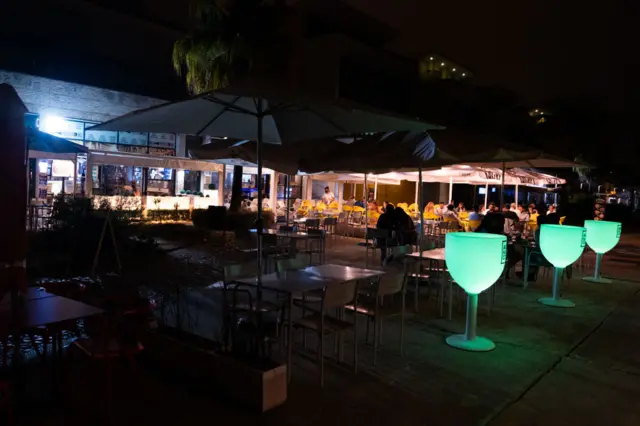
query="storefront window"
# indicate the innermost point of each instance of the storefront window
(192, 181)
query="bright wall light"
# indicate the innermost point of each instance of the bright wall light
(52, 124)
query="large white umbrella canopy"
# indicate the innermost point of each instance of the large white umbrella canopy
(264, 114)
(234, 112)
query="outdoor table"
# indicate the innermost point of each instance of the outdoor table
(289, 283)
(437, 255)
(49, 310)
(34, 293)
(342, 273)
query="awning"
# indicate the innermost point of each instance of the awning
(52, 155)
(139, 160)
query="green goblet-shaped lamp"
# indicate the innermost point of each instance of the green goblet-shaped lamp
(561, 245)
(475, 261)
(602, 236)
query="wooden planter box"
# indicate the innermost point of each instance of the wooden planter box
(261, 385)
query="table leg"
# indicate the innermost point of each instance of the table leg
(289, 337)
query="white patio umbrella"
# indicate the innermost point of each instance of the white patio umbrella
(261, 113)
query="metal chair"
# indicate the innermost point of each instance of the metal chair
(334, 297)
(315, 244)
(375, 309)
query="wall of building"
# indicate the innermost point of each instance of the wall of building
(74, 101)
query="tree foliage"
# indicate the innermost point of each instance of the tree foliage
(228, 40)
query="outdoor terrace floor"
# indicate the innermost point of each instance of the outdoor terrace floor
(551, 366)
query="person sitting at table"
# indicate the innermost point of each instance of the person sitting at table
(508, 214)
(492, 223)
(440, 209)
(552, 209)
(405, 228)
(491, 208)
(429, 210)
(387, 222)
(513, 207)
(523, 215)
(360, 202)
(328, 196)
(450, 215)
(475, 215)
(460, 208)
(351, 201)
(532, 209)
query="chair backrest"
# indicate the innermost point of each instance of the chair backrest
(331, 221)
(391, 283)
(337, 295)
(233, 272)
(316, 232)
(269, 240)
(356, 216)
(347, 208)
(290, 264)
(473, 225)
(312, 223)
(358, 209)
(333, 205)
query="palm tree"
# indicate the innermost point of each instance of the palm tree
(231, 40)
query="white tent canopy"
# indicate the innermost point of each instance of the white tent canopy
(139, 160)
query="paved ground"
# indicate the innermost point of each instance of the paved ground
(551, 366)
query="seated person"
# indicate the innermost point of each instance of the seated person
(508, 214)
(360, 202)
(351, 201)
(405, 228)
(387, 222)
(523, 215)
(450, 215)
(460, 208)
(474, 215)
(440, 209)
(492, 223)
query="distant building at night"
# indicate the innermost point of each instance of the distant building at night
(437, 67)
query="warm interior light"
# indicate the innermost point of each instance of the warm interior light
(431, 58)
(453, 69)
(463, 74)
(562, 245)
(475, 261)
(442, 64)
(602, 236)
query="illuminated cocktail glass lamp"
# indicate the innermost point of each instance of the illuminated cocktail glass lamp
(561, 245)
(602, 236)
(475, 261)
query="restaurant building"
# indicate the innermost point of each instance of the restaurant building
(118, 163)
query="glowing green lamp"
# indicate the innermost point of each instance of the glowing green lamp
(561, 245)
(602, 236)
(475, 261)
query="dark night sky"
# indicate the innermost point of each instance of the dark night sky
(541, 48)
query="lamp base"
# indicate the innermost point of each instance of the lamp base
(479, 344)
(557, 303)
(598, 280)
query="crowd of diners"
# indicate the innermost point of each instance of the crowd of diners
(509, 220)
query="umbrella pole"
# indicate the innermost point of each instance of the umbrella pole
(286, 197)
(421, 236)
(450, 201)
(375, 189)
(259, 225)
(502, 188)
(486, 195)
(366, 222)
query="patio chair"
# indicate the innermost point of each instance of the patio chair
(294, 264)
(335, 296)
(374, 307)
(330, 224)
(315, 244)
(312, 224)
